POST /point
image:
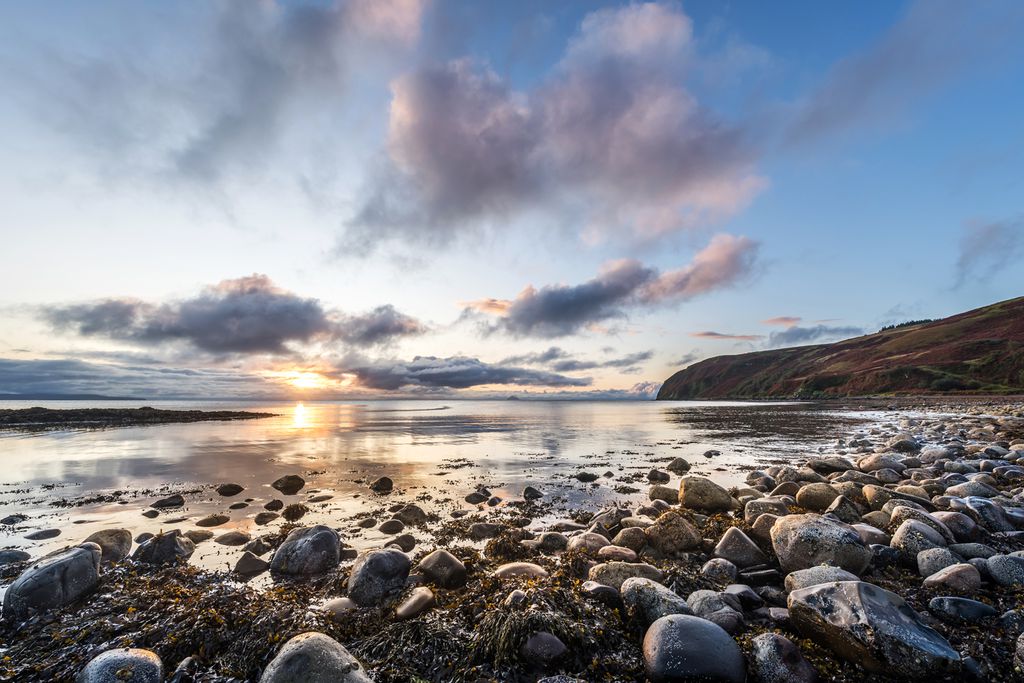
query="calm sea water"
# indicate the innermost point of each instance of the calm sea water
(435, 451)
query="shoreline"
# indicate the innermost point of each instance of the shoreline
(477, 628)
(43, 419)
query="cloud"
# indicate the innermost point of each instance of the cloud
(686, 359)
(934, 43)
(74, 376)
(795, 336)
(560, 360)
(783, 321)
(709, 334)
(987, 249)
(609, 131)
(240, 91)
(455, 372)
(380, 326)
(562, 310)
(246, 315)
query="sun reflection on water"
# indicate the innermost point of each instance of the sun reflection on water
(300, 420)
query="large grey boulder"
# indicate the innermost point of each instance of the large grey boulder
(123, 665)
(53, 582)
(700, 493)
(314, 658)
(308, 550)
(912, 537)
(872, 627)
(681, 648)
(165, 548)
(1006, 570)
(803, 541)
(778, 660)
(646, 601)
(376, 574)
(115, 544)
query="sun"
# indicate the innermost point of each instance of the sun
(303, 379)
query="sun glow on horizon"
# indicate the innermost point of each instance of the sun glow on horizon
(303, 379)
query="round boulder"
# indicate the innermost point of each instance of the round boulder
(376, 574)
(314, 658)
(53, 582)
(115, 544)
(308, 550)
(130, 665)
(803, 541)
(681, 648)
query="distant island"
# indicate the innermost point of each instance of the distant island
(33, 419)
(980, 351)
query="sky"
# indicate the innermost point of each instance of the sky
(426, 198)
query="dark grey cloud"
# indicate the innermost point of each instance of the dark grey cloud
(796, 336)
(560, 360)
(244, 315)
(989, 249)
(686, 359)
(74, 376)
(455, 372)
(934, 43)
(562, 310)
(609, 131)
(380, 326)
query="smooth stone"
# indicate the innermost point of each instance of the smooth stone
(248, 563)
(934, 559)
(961, 610)
(587, 543)
(682, 648)
(755, 508)
(812, 576)
(778, 660)
(213, 520)
(872, 627)
(52, 582)
(958, 578)
(289, 484)
(43, 534)
(411, 515)
(476, 498)
(130, 665)
(816, 497)
(115, 544)
(382, 485)
(479, 531)
(229, 490)
(530, 493)
(666, 493)
(376, 574)
(646, 601)
(307, 550)
(197, 536)
(420, 600)
(972, 550)
(274, 505)
(803, 541)
(700, 493)
(314, 658)
(336, 608)
(391, 526)
(615, 573)
(614, 553)
(602, 593)
(517, 570)
(12, 556)
(175, 501)
(718, 569)
(443, 569)
(672, 534)
(543, 648)
(912, 537)
(678, 466)
(737, 547)
(233, 538)
(1006, 570)
(165, 548)
(264, 518)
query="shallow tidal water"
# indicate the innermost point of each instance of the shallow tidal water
(436, 452)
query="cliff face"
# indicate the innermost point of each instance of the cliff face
(977, 351)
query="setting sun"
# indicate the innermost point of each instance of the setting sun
(303, 379)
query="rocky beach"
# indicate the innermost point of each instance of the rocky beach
(895, 553)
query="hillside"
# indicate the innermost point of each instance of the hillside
(980, 351)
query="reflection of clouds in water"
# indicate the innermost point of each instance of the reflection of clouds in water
(338, 447)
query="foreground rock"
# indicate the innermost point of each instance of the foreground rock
(314, 658)
(680, 648)
(376, 574)
(443, 569)
(872, 627)
(53, 582)
(115, 544)
(308, 550)
(779, 660)
(700, 493)
(165, 548)
(803, 541)
(131, 665)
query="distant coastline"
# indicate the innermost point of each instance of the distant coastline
(38, 419)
